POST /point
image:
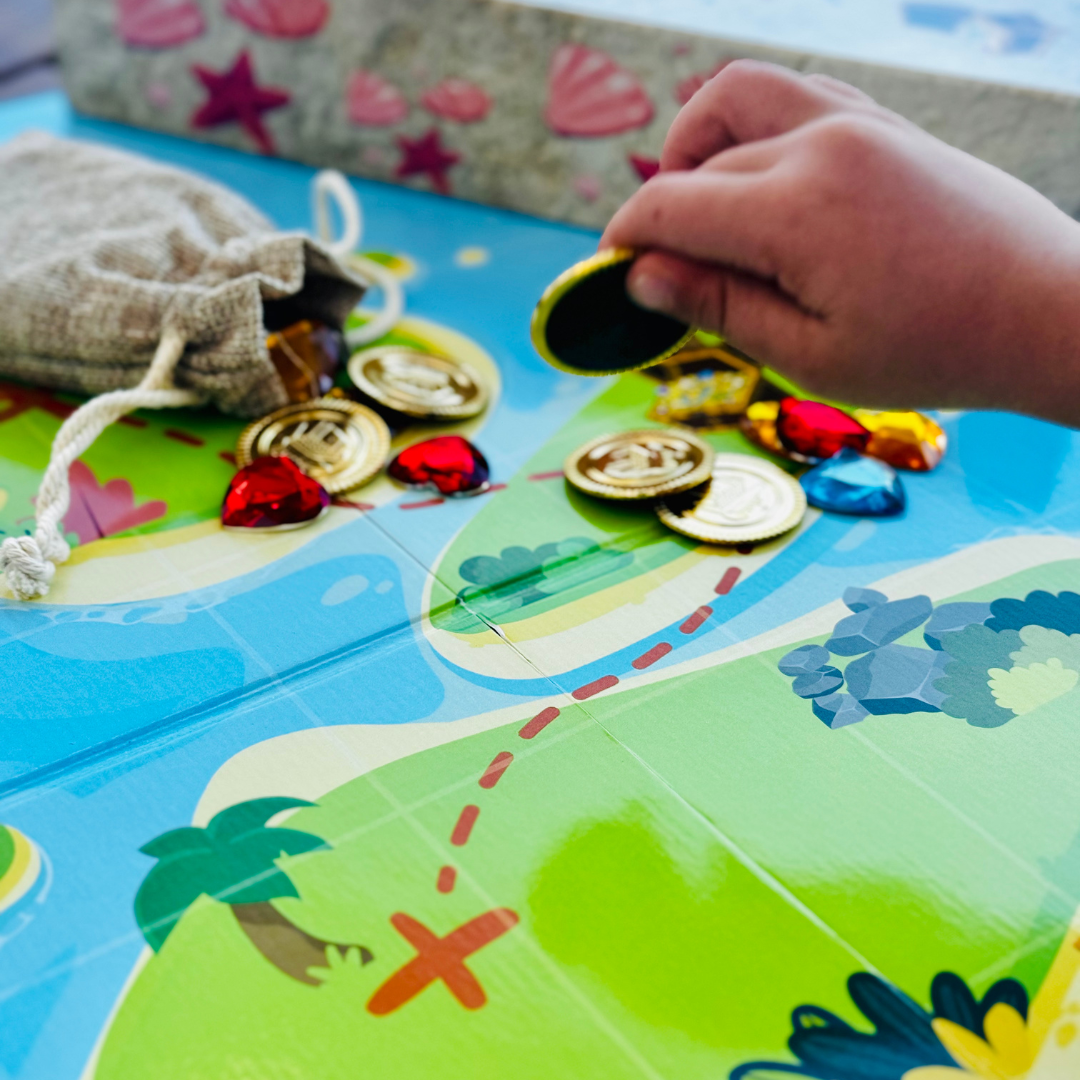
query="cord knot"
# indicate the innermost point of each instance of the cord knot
(29, 562)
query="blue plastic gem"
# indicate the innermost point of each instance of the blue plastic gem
(816, 683)
(852, 484)
(803, 660)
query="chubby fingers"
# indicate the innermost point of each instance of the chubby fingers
(749, 101)
(753, 314)
(845, 90)
(706, 215)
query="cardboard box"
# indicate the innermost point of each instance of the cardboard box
(542, 111)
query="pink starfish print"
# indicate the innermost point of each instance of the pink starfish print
(427, 155)
(234, 96)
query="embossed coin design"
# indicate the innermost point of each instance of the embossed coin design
(418, 384)
(747, 500)
(337, 442)
(639, 464)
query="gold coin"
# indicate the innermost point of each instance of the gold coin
(639, 464)
(418, 384)
(746, 500)
(586, 323)
(337, 442)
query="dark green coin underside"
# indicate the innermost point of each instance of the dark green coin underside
(588, 324)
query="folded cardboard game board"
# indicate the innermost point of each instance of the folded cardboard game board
(525, 784)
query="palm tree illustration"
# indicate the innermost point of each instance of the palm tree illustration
(234, 860)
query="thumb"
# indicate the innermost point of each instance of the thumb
(751, 313)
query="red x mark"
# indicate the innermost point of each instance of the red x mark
(440, 958)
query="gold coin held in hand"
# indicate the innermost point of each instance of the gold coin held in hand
(587, 324)
(747, 500)
(639, 464)
(337, 442)
(418, 384)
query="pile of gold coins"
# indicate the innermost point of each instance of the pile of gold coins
(341, 440)
(714, 498)
(344, 443)
(738, 498)
(586, 323)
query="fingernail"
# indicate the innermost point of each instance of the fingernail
(652, 291)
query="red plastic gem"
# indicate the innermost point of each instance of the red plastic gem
(272, 493)
(448, 463)
(816, 430)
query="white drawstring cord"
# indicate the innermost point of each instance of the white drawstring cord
(29, 562)
(331, 184)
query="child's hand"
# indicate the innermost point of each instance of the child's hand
(835, 241)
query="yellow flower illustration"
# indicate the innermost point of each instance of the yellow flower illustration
(1005, 1054)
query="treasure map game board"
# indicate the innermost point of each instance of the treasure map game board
(526, 784)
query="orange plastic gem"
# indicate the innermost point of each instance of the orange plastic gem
(306, 354)
(758, 424)
(905, 440)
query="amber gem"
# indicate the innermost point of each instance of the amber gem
(758, 424)
(906, 440)
(272, 493)
(307, 355)
(816, 430)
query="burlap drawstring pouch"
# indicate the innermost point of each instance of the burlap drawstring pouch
(150, 287)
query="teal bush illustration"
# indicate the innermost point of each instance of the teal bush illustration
(519, 576)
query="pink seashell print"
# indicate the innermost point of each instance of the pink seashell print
(457, 99)
(374, 102)
(99, 510)
(158, 24)
(589, 94)
(689, 86)
(280, 18)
